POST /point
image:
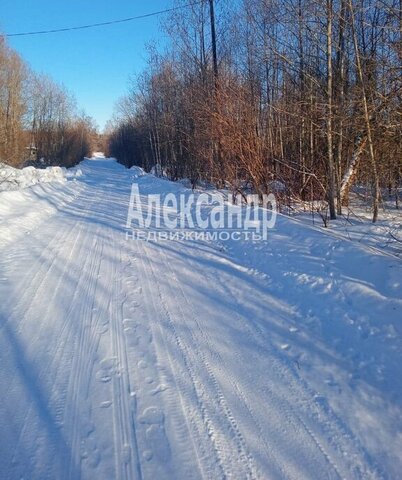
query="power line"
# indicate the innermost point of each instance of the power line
(111, 22)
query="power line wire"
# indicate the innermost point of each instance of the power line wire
(94, 25)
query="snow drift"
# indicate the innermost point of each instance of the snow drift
(15, 179)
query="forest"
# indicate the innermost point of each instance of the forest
(298, 96)
(39, 120)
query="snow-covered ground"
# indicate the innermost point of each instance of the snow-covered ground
(355, 224)
(123, 359)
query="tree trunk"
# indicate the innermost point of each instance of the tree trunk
(376, 183)
(352, 170)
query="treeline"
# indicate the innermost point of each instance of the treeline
(302, 92)
(39, 122)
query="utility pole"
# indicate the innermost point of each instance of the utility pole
(216, 153)
(331, 170)
(213, 39)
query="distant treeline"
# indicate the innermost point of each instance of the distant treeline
(39, 122)
(304, 92)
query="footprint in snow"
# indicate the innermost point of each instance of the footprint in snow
(159, 389)
(142, 364)
(132, 307)
(152, 415)
(155, 433)
(136, 333)
(89, 452)
(157, 439)
(147, 455)
(108, 367)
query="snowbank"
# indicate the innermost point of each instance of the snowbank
(98, 155)
(73, 172)
(15, 179)
(137, 171)
(158, 171)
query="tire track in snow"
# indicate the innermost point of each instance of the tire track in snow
(38, 269)
(173, 395)
(22, 319)
(75, 403)
(127, 457)
(300, 390)
(219, 365)
(205, 450)
(240, 463)
(47, 368)
(78, 403)
(275, 456)
(292, 418)
(61, 340)
(225, 373)
(34, 276)
(66, 339)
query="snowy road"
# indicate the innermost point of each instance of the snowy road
(125, 359)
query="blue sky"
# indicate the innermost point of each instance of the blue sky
(93, 64)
